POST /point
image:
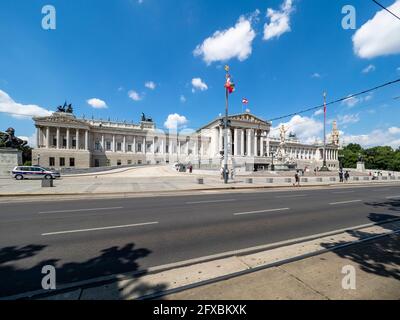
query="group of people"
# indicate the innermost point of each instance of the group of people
(344, 176)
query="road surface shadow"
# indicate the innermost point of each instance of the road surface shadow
(378, 256)
(15, 279)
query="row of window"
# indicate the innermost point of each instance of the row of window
(61, 162)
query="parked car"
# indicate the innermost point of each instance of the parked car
(34, 172)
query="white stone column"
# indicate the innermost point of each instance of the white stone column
(47, 137)
(86, 140)
(249, 135)
(255, 143)
(242, 134)
(113, 144)
(144, 150)
(236, 141)
(262, 146)
(77, 139)
(268, 146)
(124, 145)
(162, 147)
(153, 148)
(37, 137)
(58, 138)
(134, 144)
(221, 141)
(103, 147)
(68, 146)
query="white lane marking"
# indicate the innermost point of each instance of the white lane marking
(393, 197)
(99, 229)
(260, 211)
(81, 210)
(292, 196)
(211, 201)
(345, 202)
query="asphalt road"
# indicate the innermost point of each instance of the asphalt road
(85, 239)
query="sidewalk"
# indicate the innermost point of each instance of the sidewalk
(377, 265)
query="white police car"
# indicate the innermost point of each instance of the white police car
(32, 172)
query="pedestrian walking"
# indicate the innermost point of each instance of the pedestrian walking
(297, 179)
(341, 176)
(232, 174)
(347, 176)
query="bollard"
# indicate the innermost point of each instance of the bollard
(249, 180)
(47, 183)
(200, 180)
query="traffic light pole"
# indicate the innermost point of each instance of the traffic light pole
(226, 152)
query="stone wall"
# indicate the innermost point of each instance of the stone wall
(9, 158)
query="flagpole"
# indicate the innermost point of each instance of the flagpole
(226, 153)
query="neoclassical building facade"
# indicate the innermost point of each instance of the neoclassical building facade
(65, 141)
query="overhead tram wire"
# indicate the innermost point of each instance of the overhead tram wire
(382, 6)
(337, 101)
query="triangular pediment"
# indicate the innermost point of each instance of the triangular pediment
(248, 117)
(62, 118)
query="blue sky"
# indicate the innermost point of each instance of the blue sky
(130, 56)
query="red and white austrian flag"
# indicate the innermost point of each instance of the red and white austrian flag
(245, 101)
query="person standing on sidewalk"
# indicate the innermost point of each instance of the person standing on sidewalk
(341, 176)
(297, 179)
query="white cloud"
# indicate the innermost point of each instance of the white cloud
(134, 95)
(235, 42)
(20, 111)
(150, 85)
(199, 84)
(351, 101)
(279, 21)
(31, 140)
(308, 130)
(394, 130)
(175, 121)
(316, 75)
(379, 36)
(378, 137)
(369, 69)
(182, 98)
(319, 112)
(348, 118)
(97, 103)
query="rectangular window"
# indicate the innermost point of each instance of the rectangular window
(129, 162)
(52, 162)
(129, 148)
(96, 163)
(108, 145)
(119, 146)
(139, 161)
(62, 162)
(64, 143)
(139, 147)
(108, 163)
(72, 162)
(119, 162)
(74, 143)
(97, 146)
